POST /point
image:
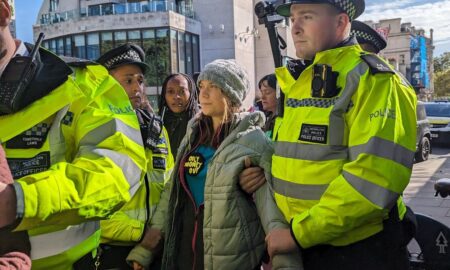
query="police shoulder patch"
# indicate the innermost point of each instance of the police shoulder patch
(376, 65)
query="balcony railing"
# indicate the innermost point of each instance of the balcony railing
(115, 9)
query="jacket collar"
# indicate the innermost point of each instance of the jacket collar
(245, 122)
(297, 66)
(350, 41)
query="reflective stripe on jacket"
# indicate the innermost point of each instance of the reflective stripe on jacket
(126, 226)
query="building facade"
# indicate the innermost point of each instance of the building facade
(185, 35)
(166, 30)
(410, 52)
(177, 35)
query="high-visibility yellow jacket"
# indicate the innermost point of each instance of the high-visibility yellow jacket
(341, 163)
(76, 155)
(126, 226)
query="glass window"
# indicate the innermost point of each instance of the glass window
(93, 46)
(83, 12)
(163, 60)
(135, 37)
(173, 50)
(181, 53)
(148, 39)
(45, 45)
(134, 7)
(120, 8)
(148, 44)
(160, 5)
(107, 9)
(60, 46)
(189, 8)
(162, 33)
(437, 109)
(189, 67)
(120, 38)
(53, 5)
(53, 45)
(45, 18)
(80, 46)
(157, 56)
(181, 7)
(196, 53)
(68, 46)
(148, 34)
(145, 7)
(94, 10)
(107, 42)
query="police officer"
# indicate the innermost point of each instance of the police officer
(344, 146)
(368, 38)
(126, 227)
(74, 149)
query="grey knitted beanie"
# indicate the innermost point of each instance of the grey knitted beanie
(228, 76)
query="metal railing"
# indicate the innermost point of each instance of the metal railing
(116, 9)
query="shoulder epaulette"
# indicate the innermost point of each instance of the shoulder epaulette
(376, 65)
(77, 62)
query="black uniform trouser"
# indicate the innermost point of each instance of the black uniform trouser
(385, 250)
(111, 258)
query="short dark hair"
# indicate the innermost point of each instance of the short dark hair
(271, 81)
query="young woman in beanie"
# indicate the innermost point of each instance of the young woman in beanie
(206, 220)
(177, 105)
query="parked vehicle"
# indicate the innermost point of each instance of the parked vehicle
(438, 114)
(423, 145)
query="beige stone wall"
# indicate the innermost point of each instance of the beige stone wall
(122, 21)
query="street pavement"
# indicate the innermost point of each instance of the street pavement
(419, 194)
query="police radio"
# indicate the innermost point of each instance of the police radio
(151, 131)
(16, 77)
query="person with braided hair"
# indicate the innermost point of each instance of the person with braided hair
(177, 105)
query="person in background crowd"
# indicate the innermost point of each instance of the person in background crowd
(177, 105)
(73, 145)
(126, 227)
(267, 85)
(14, 246)
(208, 222)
